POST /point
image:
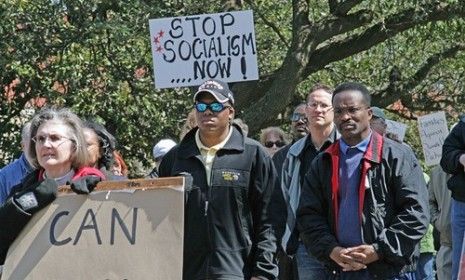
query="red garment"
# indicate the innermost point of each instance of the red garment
(368, 157)
(81, 172)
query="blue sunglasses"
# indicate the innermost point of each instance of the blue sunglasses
(215, 107)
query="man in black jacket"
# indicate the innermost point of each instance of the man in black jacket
(453, 162)
(230, 232)
(364, 203)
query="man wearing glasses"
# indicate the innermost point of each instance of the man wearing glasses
(298, 130)
(322, 133)
(229, 231)
(364, 205)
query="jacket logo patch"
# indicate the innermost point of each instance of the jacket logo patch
(230, 175)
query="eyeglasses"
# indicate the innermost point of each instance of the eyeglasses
(270, 144)
(215, 107)
(351, 111)
(314, 105)
(297, 117)
(54, 139)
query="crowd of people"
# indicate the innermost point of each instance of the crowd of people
(336, 198)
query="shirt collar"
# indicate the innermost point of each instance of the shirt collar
(362, 146)
(216, 147)
(332, 137)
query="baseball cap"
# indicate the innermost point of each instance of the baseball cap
(378, 113)
(162, 147)
(219, 89)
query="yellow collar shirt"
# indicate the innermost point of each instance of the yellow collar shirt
(209, 153)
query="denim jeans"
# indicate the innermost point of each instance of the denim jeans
(444, 263)
(425, 267)
(361, 275)
(458, 227)
(405, 276)
(308, 267)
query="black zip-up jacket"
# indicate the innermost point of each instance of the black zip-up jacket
(229, 231)
(452, 149)
(13, 219)
(394, 213)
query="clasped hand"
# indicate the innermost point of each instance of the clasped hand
(354, 258)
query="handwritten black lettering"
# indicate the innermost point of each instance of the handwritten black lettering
(208, 21)
(115, 216)
(168, 47)
(225, 22)
(193, 19)
(52, 237)
(91, 226)
(247, 41)
(184, 50)
(176, 26)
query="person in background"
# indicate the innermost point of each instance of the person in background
(242, 125)
(298, 130)
(364, 203)
(13, 173)
(273, 138)
(189, 124)
(101, 146)
(119, 167)
(58, 153)
(426, 254)
(453, 162)
(439, 207)
(231, 224)
(159, 151)
(321, 134)
(378, 121)
(425, 266)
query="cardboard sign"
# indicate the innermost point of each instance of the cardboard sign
(188, 50)
(113, 234)
(397, 129)
(433, 130)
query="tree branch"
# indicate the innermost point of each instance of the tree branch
(380, 32)
(340, 25)
(268, 23)
(430, 63)
(342, 8)
(390, 94)
(300, 20)
(332, 4)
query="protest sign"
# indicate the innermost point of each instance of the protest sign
(132, 233)
(433, 130)
(397, 129)
(190, 49)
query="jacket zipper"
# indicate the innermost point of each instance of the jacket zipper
(208, 197)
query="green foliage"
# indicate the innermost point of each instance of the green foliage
(95, 57)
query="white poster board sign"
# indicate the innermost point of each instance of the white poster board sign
(188, 50)
(397, 129)
(433, 130)
(114, 234)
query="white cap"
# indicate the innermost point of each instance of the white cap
(162, 147)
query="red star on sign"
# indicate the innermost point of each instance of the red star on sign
(159, 49)
(160, 34)
(156, 40)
